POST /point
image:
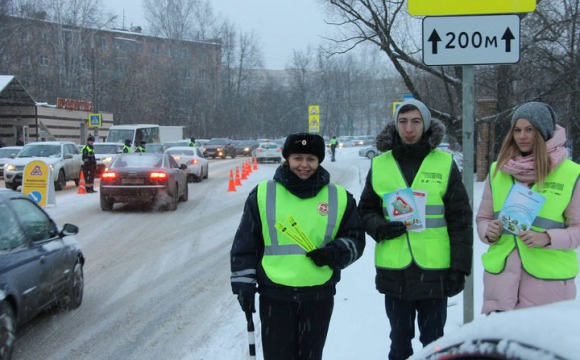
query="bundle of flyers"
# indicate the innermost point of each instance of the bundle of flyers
(407, 205)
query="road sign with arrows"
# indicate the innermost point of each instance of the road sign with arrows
(471, 40)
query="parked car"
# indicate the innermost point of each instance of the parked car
(40, 265)
(146, 178)
(62, 157)
(105, 152)
(369, 151)
(192, 157)
(541, 332)
(7, 153)
(268, 152)
(220, 147)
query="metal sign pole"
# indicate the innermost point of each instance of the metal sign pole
(468, 144)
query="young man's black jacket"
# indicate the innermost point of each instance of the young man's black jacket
(248, 246)
(413, 282)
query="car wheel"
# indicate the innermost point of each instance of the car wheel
(7, 330)
(106, 204)
(172, 205)
(60, 181)
(206, 174)
(371, 154)
(76, 286)
(185, 195)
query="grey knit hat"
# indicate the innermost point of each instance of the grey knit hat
(541, 115)
(425, 113)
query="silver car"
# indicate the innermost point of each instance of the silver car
(62, 157)
(268, 152)
(7, 153)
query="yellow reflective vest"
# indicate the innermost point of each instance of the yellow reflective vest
(542, 263)
(429, 249)
(319, 217)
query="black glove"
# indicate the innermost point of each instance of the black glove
(455, 283)
(247, 301)
(322, 256)
(391, 229)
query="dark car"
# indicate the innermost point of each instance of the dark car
(150, 179)
(246, 147)
(219, 147)
(40, 265)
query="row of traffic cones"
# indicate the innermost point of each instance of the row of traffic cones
(246, 170)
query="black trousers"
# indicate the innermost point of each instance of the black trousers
(431, 316)
(293, 330)
(89, 172)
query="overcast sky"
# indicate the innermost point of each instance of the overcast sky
(281, 25)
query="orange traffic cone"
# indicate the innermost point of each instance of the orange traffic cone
(82, 189)
(244, 171)
(255, 163)
(231, 186)
(238, 181)
(248, 166)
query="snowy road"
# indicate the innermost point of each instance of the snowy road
(156, 282)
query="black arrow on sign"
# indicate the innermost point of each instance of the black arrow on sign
(434, 39)
(508, 37)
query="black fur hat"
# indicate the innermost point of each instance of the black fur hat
(304, 143)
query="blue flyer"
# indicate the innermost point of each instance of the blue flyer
(520, 209)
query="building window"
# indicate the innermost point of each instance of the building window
(25, 60)
(44, 60)
(103, 45)
(44, 36)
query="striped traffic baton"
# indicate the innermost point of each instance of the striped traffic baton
(251, 336)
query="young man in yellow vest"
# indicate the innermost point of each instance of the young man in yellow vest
(296, 234)
(417, 269)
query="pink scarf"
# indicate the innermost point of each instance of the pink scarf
(522, 167)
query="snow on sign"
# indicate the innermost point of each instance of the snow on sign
(471, 40)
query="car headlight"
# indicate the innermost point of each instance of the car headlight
(107, 159)
(9, 167)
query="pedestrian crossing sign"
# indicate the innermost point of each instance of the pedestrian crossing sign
(314, 118)
(95, 120)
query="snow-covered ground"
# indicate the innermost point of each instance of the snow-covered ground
(157, 283)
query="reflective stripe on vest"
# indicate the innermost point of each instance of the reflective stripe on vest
(319, 217)
(550, 264)
(429, 249)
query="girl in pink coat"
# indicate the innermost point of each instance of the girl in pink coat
(537, 266)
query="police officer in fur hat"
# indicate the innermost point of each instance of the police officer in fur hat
(297, 232)
(89, 164)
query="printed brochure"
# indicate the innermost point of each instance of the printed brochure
(520, 209)
(401, 206)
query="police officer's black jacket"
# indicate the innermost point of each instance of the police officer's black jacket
(248, 246)
(89, 157)
(414, 283)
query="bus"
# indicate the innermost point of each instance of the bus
(135, 132)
